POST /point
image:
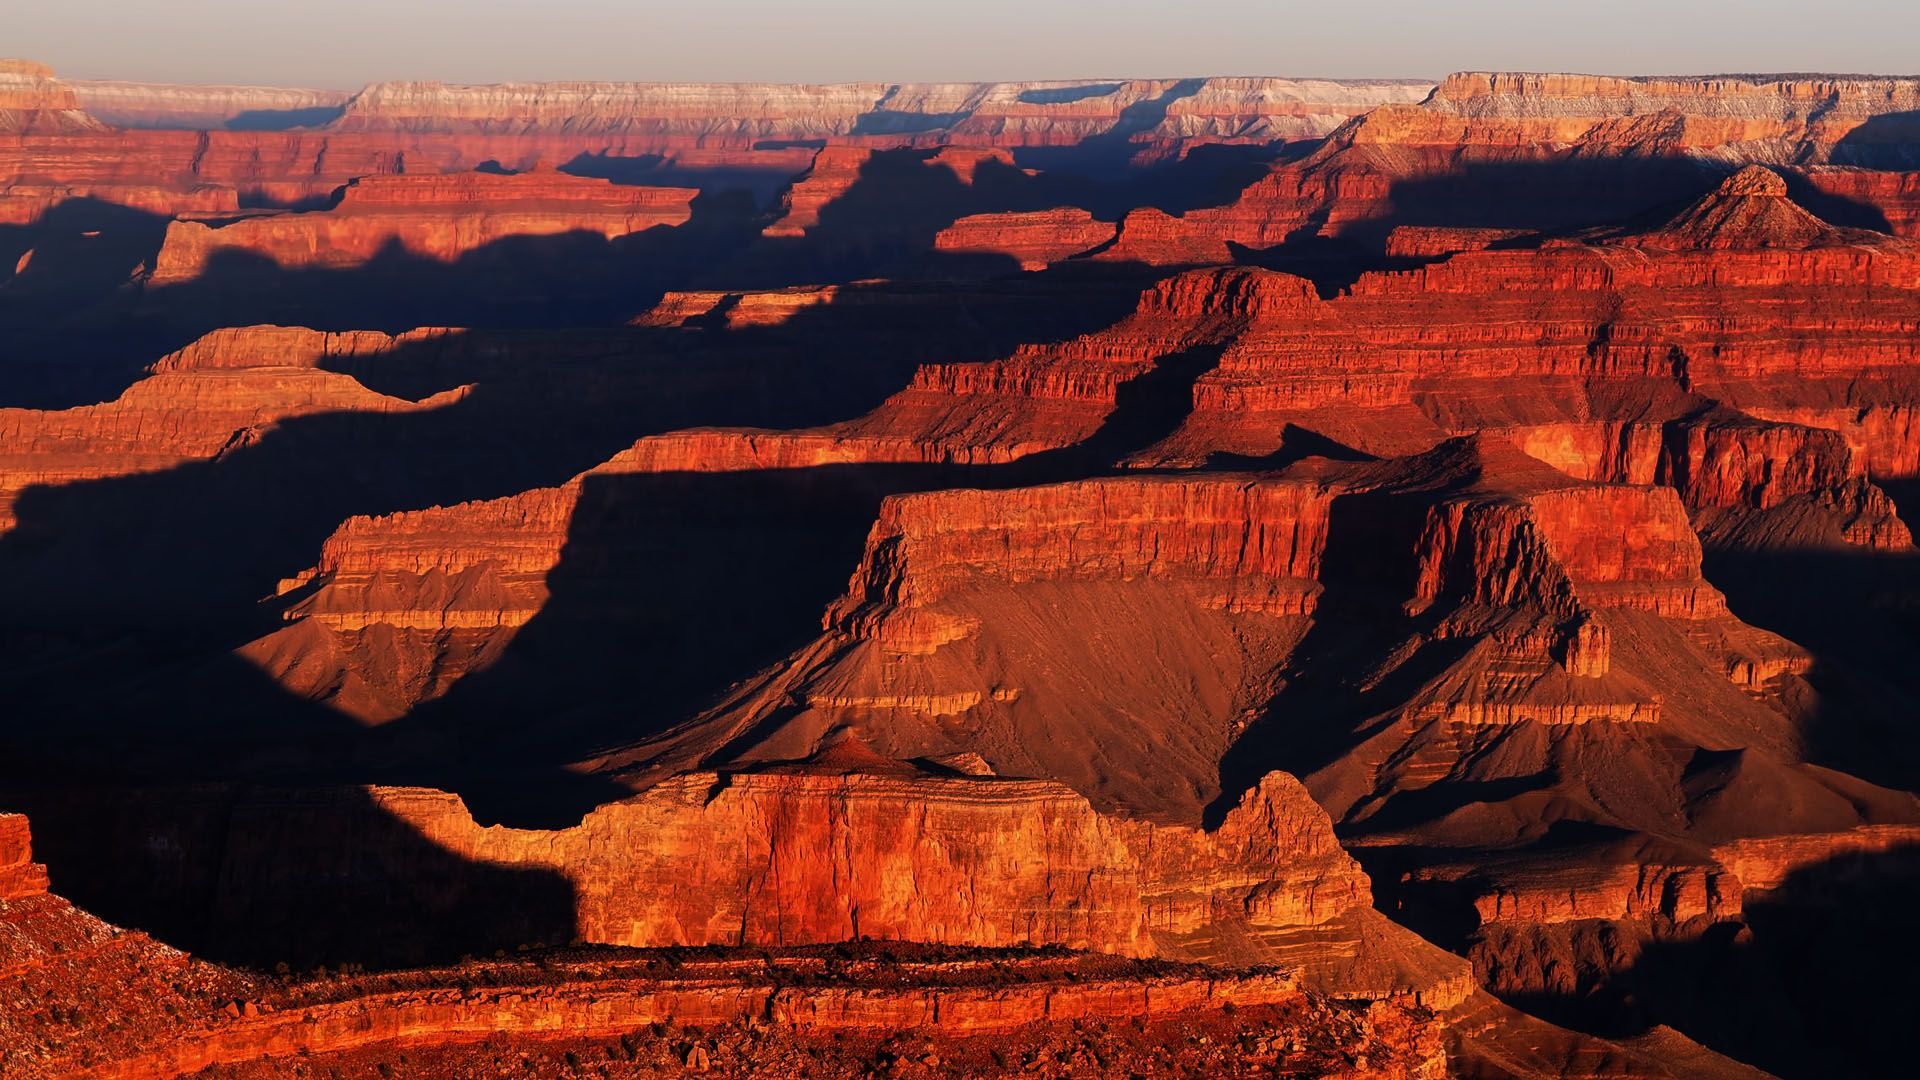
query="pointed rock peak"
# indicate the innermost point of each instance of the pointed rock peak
(1750, 209)
(844, 751)
(965, 762)
(1753, 180)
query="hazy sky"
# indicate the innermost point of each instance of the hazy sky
(345, 43)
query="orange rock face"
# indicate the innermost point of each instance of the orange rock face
(218, 394)
(853, 846)
(1036, 238)
(33, 102)
(437, 217)
(88, 998)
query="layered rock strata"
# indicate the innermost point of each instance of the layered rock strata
(206, 108)
(433, 217)
(34, 102)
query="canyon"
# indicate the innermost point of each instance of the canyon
(1403, 578)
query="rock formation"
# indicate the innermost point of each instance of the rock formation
(435, 217)
(91, 999)
(33, 102)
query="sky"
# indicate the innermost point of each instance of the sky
(343, 44)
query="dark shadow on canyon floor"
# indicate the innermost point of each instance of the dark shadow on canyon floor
(1812, 980)
(1854, 611)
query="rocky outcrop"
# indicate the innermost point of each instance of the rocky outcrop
(852, 846)
(20, 876)
(89, 999)
(80, 991)
(843, 846)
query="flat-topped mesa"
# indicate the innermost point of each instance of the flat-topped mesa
(536, 188)
(27, 203)
(431, 216)
(478, 564)
(1562, 591)
(1037, 238)
(400, 607)
(34, 102)
(1242, 543)
(947, 639)
(203, 107)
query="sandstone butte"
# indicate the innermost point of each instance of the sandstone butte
(1451, 540)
